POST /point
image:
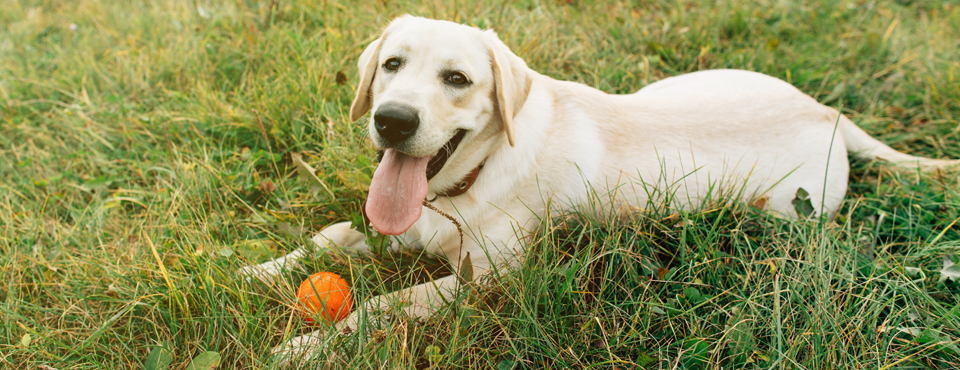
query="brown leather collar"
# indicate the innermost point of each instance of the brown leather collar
(463, 185)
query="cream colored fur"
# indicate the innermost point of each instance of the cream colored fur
(547, 141)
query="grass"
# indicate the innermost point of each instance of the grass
(147, 154)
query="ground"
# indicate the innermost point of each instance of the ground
(149, 149)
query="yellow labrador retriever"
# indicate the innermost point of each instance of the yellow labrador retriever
(465, 125)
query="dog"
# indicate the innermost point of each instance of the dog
(466, 126)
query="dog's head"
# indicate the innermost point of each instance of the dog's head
(442, 97)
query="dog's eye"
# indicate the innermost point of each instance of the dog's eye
(457, 78)
(392, 64)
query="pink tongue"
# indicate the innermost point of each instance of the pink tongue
(397, 191)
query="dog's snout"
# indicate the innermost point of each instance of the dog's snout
(396, 122)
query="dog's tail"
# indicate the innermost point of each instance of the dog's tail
(862, 145)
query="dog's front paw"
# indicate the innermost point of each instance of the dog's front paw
(267, 271)
(299, 350)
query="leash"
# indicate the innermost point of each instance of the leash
(466, 265)
(449, 217)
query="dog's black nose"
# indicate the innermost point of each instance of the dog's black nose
(396, 122)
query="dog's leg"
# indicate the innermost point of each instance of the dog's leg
(340, 237)
(418, 301)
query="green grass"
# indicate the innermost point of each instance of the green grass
(136, 177)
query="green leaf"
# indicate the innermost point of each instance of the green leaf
(772, 43)
(355, 180)
(357, 222)
(25, 340)
(506, 364)
(665, 52)
(696, 353)
(256, 250)
(366, 165)
(378, 243)
(801, 203)
(433, 355)
(644, 359)
(375, 241)
(101, 182)
(159, 357)
(657, 310)
(205, 361)
(927, 337)
(740, 342)
(692, 294)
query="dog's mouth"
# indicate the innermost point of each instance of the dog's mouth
(399, 186)
(438, 160)
(436, 163)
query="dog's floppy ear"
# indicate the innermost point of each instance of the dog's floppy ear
(369, 61)
(511, 79)
(368, 64)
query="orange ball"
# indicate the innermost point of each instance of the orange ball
(324, 295)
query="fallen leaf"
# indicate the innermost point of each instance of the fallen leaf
(761, 356)
(309, 174)
(760, 203)
(466, 270)
(771, 263)
(267, 186)
(950, 270)
(911, 331)
(112, 290)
